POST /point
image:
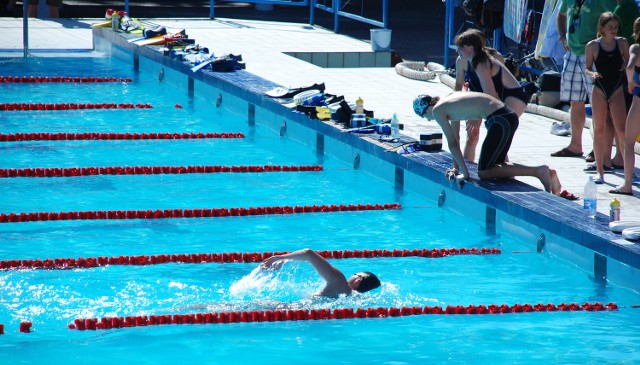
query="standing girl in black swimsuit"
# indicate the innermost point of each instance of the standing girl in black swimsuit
(609, 55)
(467, 78)
(632, 130)
(495, 79)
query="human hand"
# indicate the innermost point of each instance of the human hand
(595, 76)
(272, 263)
(460, 180)
(565, 44)
(450, 174)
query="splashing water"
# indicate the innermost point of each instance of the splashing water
(289, 283)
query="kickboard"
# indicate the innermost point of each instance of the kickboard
(104, 24)
(302, 96)
(201, 65)
(149, 41)
(631, 234)
(132, 40)
(619, 226)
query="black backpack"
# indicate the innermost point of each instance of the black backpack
(492, 14)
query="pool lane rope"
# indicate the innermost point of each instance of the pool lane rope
(47, 79)
(45, 136)
(228, 257)
(149, 170)
(285, 315)
(187, 213)
(69, 106)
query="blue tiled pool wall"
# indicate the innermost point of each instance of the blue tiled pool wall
(519, 208)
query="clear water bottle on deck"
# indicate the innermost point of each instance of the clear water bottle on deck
(590, 198)
(395, 127)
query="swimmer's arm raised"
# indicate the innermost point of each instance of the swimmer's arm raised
(328, 272)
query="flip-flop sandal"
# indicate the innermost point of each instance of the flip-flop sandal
(565, 152)
(617, 191)
(592, 168)
(567, 195)
(599, 181)
(590, 157)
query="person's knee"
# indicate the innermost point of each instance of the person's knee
(473, 134)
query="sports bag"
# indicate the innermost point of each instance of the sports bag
(549, 81)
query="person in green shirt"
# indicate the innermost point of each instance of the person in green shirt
(577, 23)
(627, 12)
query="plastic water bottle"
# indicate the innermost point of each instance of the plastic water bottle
(590, 201)
(395, 127)
(359, 106)
(115, 22)
(614, 211)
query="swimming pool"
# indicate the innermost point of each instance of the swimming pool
(52, 299)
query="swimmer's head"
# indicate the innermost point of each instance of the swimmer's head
(422, 103)
(363, 281)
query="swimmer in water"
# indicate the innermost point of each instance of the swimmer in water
(337, 284)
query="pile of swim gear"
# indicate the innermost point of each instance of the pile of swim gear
(313, 101)
(199, 58)
(176, 45)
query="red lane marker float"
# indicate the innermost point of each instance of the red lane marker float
(25, 327)
(187, 213)
(70, 106)
(44, 136)
(43, 79)
(228, 257)
(147, 170)
(283, 315)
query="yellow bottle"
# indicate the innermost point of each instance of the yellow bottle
(614, 211)
(359, 106)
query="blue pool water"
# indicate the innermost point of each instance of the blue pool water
(53, 299)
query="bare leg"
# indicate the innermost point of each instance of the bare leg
(607, 142)
(600, 136)
(505, 171)
(556, 186)
(618, 109)
(631, 133)
(473, 135)
(577, 114)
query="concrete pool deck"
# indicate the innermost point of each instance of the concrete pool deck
(263, 45)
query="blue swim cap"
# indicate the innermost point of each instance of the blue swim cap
(421, 103)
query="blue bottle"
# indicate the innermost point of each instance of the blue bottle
(590, 198)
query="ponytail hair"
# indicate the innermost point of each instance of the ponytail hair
(475, 39)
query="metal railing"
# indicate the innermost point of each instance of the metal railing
(335, 9)
(272, 2)
(449, 32)
(25, 29)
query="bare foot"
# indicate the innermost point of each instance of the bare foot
(556, 186)
(544, 174)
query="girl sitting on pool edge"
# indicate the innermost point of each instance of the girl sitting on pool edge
(337, 283)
